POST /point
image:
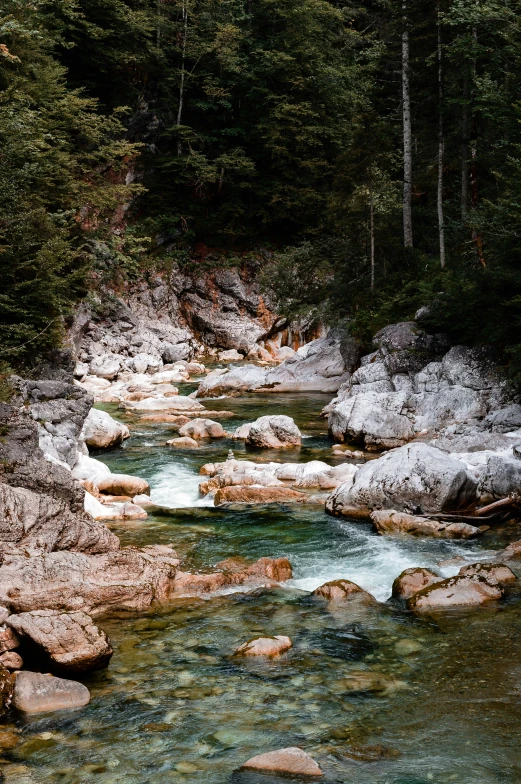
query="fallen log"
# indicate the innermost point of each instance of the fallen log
(489, 513)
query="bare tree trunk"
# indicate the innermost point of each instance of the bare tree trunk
(465, 151)
(182, 84)
(371, 230)
(407, 134)
(441, 144)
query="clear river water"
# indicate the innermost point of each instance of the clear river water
(174, 706)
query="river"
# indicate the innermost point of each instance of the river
(174, 706)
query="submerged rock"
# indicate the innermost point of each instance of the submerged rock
(415, 477)
(183, 442)
(369, 682)
(37, 693)
(412, 580)
(290, 762)
(489, 571)
(388, 521)
(269, 647)
(264, 572)
(69, 641)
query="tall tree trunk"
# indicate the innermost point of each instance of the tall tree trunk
(158, 23)
(184, 17)
(465, 150)
(407, 133)
(441, 144)
(371, 231)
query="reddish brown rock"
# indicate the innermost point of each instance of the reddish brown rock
(11, 660)
(9, 639)
(389, 521)
(270, 647)
(127, 579)
(257, 495)
(489, 571)
(123, 484)
(70, 642)
(37, 693)
(264, 572)
(337, 591)
(459, 591)
(184, 442)
(290, 762)
(410, 581)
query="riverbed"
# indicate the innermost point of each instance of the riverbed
(175, 706)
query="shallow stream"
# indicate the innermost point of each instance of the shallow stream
(174, 706)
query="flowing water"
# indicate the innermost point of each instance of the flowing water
(174, 706)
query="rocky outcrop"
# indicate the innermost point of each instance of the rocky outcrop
(500, 477)
(322, 365)
(269, 647)
(37, 693)
(412, 386)
(388, 521)
(66, 642)
(101, 431)
(414, 478)
(37, 522)
(126, 579)
(286, 762)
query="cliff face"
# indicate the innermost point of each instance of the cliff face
(174, 317)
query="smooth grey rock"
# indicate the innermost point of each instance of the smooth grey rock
(414, 478)
(506, 419)
(37, 693)
(101, 431)
(274, 432)
(105, 366)
(501, 477)
(374, 419)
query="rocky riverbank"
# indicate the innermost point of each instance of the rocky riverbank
(450, 452)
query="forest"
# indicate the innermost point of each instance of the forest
(364, 157)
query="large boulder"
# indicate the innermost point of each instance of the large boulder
(202, 429)
(413, 478)
(175, 403)
(239, 379)
(465, 590)
(343, 592)
(500, 477)
(101, 431)
(105, 366)
(67, 641)
(374, 419)
(274, 432)
(37, 693)
(126, 579)
(266, 572)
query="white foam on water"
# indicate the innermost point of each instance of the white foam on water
(176, 487)
(372, 562)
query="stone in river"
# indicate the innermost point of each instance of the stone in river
(389, 521)
(184, 442)
(11, 660)
(202, 428)
(71, 641)
(460, 591)
(37, 693)
(265, 646)
(366, 681)
(274, 432)
(257, 495)
(101, 431)
(343, 591)
(123, 484)
(291, 761)
(410, 581)
(499, 572)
